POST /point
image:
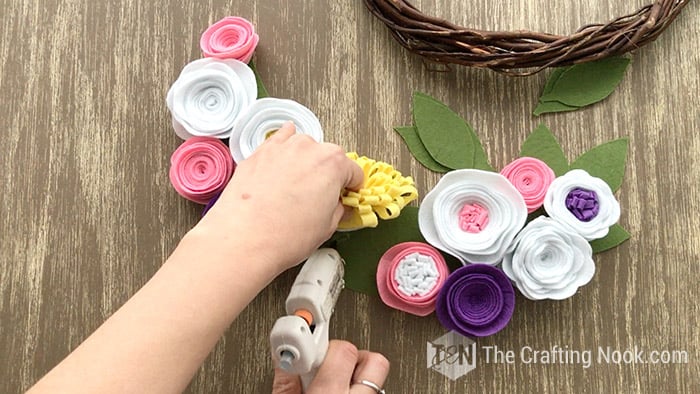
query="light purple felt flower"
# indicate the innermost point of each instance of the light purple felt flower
(583, 203)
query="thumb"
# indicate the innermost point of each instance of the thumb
(285, 383)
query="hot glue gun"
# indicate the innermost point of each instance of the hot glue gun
(299, 341)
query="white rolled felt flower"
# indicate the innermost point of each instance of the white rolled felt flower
(209, 96)
(584, 203)
(263, 118)
(473, 215)
(547, 260)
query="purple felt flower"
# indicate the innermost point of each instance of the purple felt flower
(211, 203)
(476, 300)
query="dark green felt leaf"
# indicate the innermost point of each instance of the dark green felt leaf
(541, 144)
(606, 161)
(415, 145)
(362, 249)
(445, 135)
(535, 214)
(616, 236)
(553, 78)
(587, 83)
(262, 92)
(551, 107)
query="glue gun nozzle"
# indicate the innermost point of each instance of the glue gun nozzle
(286, 359)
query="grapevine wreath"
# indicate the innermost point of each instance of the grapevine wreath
(521, 52)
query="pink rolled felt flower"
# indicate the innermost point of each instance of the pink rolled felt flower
(200, 168)
(230, 38)
(531, 177)
(409, 277)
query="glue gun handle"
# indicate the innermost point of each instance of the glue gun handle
(307, 378)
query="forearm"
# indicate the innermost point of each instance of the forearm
(271, 216)
(160, 337)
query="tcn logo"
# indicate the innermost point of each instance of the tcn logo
(452, 355)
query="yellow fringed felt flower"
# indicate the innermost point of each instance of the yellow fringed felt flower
(384, 193)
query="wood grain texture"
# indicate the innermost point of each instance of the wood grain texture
(87, 214)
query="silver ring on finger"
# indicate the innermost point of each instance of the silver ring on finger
(371, 385)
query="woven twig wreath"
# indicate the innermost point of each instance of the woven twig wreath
(521, 52)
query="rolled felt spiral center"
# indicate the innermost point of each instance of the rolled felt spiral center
(473, 218)
(477, 299)
(583, 204)
(200, 168)
(416, 275)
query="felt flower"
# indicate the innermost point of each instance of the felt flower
(263, 118)
(211, 203)
(473, 215)
(547, 260)
(209, 96)
(583, 203)
(200, 168)
(409, 277)
(476, 300)
(532, 178)
(230, 38)
(383, 194)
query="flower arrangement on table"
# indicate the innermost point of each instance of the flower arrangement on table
(535, 224)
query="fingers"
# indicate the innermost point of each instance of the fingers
(338, 215)
(285, 383)
(336, 371)
(351, 174)
(284, 133)
(345, 367)
(355, 178)
(372, 367)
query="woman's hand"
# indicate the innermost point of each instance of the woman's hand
(341, 372)
(285, 197)
(280, 205)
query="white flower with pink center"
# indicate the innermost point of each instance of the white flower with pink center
(473, 215)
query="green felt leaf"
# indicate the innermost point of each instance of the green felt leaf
(616, 236)
(415, 145)
(262, 91)
(445, 135)
(553, 78)
(551, 107)
(362, 249)
(606, 161)
(587, 83)
(542, 144)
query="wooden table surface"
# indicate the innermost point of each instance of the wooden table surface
(87, 213)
